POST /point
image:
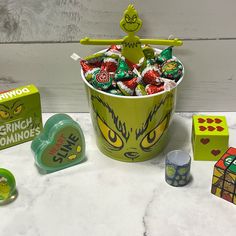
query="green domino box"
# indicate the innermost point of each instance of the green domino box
(20, 115)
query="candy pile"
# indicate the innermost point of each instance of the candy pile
(111, 72)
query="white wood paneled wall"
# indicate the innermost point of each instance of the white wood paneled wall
(38, 37)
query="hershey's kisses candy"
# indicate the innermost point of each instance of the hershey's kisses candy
(123, 71)
(115, 48)
(111, 72)
(114, 51)
(109, 64)
(151, 62)
(151, 75)
(133, 66)
(165, 55)
(88, 70)
(127, 87)
(115, 92)
(102, 79)
(172, 69)
(168, 84)
(95, 59)
(151, 88)
(8, 191)
(140, 90)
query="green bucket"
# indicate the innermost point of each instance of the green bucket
(131, 128)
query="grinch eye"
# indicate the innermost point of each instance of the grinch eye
(154, 135)
(4, 114)
(110, 135)
(128, 19)
(134, 18)
(18, 110)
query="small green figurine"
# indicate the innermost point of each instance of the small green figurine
(132, 50)
(8, 192)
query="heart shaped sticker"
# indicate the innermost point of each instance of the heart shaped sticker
(215, 152)
(202, 128)
(211, 128)
(201, 120)
(219, 128)
(205, 140)
(60, 145)
(209, 120)
(218, 121)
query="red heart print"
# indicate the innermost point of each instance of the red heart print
(219, 128)
(209, 120)
(218, 121)
(201, 120)
(211, 128)
(215, 152)
(202, 128)
(205, 140)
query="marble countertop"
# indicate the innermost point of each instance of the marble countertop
(104, 197)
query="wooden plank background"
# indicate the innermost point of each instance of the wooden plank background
(38, 37)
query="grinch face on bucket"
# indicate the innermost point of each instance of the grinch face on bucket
(130, 137)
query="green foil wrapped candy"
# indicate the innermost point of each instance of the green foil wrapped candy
(149, 52)
(115, 92)
(165, 55)
(102, 79)
(123, 71)
(140, 90)
(172, 69)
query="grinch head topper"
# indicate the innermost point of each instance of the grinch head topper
(131, 50)
(130, 21)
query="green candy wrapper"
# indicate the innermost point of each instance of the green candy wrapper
(101, 80)
(123, 71)
(148, 63)
(140, 90)
(149, 52)
(115, 92)
(172, 69)
(165, 55)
